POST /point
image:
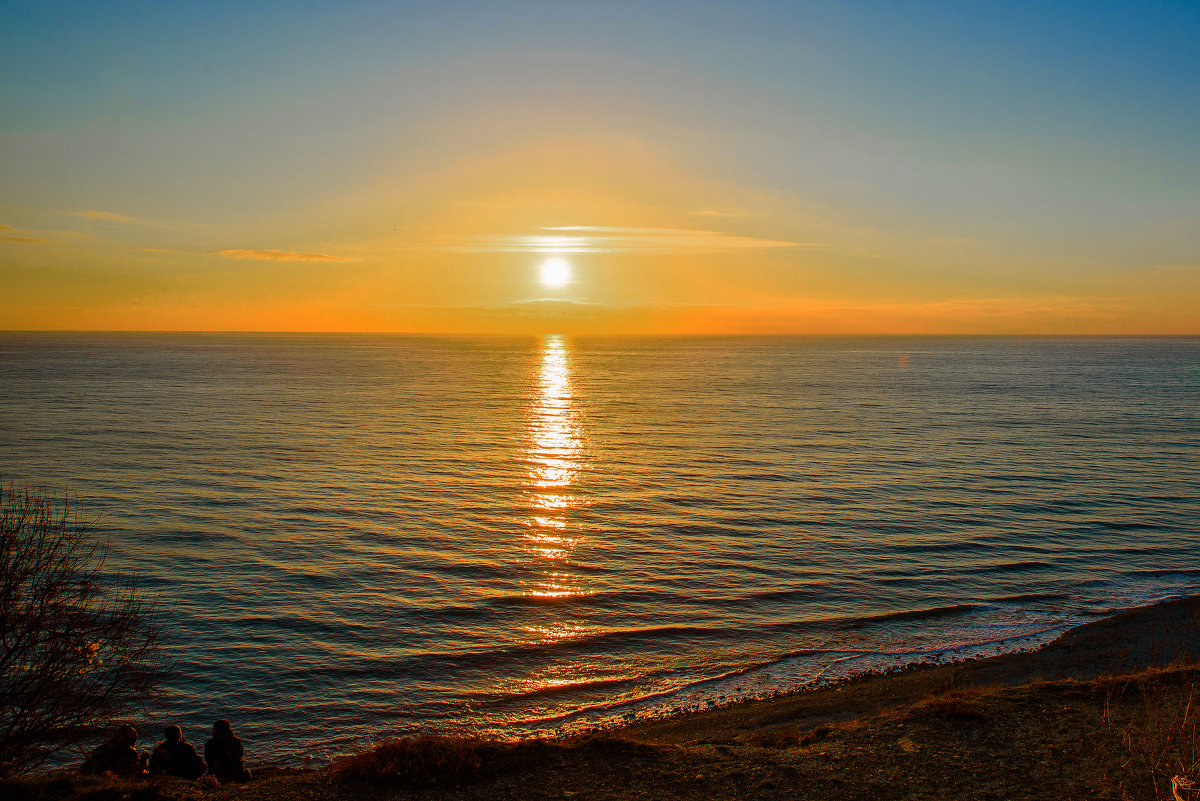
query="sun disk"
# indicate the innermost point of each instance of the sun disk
(555, 272)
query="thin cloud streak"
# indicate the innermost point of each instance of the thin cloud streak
(720, 213)
(21, 240)
(280, 255)
(615, 239)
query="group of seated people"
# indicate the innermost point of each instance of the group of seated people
(174, 756)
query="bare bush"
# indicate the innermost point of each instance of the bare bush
(79, 649)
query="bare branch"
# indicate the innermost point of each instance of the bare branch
(79, 648)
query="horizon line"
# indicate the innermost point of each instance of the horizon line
(323, 332)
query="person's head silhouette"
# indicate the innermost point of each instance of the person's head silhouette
(126, 735)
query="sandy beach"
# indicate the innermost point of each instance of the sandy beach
(1097, 713)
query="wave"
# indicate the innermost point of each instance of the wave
(1164, 572)
(570, 688)
(586, 598)
(941, 547)
(1008, 567)
(430, 663)
(1032, 597)
(915, 614)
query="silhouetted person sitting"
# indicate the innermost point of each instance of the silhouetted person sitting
(223, 752)
(117, 756)
(175, 756)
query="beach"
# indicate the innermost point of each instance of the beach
(1097, 713)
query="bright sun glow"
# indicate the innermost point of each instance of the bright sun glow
(555, 272)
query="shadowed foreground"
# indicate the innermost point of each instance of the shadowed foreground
(1092, 715)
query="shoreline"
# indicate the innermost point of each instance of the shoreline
(637, 712)
(1154, 635)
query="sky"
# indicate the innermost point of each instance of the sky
(610, 167)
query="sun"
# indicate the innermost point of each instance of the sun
(555, 272)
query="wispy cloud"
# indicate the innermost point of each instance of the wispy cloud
(15, 236)
(612, 239)
(102, 215)
(280, 255)
(719, 213)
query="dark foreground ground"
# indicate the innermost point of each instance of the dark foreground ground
(1107, 711)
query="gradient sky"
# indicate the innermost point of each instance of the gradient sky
(808, 167)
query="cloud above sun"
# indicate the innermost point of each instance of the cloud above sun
(281, 255)
(613, 239)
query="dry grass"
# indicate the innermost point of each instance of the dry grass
(418, 760)
(1153, 717)
(98, 788)
(785, 738)
(952, 705)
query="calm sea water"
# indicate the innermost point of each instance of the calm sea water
(356, 536)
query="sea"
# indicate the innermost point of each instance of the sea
(350, 537)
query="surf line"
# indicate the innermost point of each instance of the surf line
(613, 707)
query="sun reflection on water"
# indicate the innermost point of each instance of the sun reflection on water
(554, 455)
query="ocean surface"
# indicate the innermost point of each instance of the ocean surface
(358, 536)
